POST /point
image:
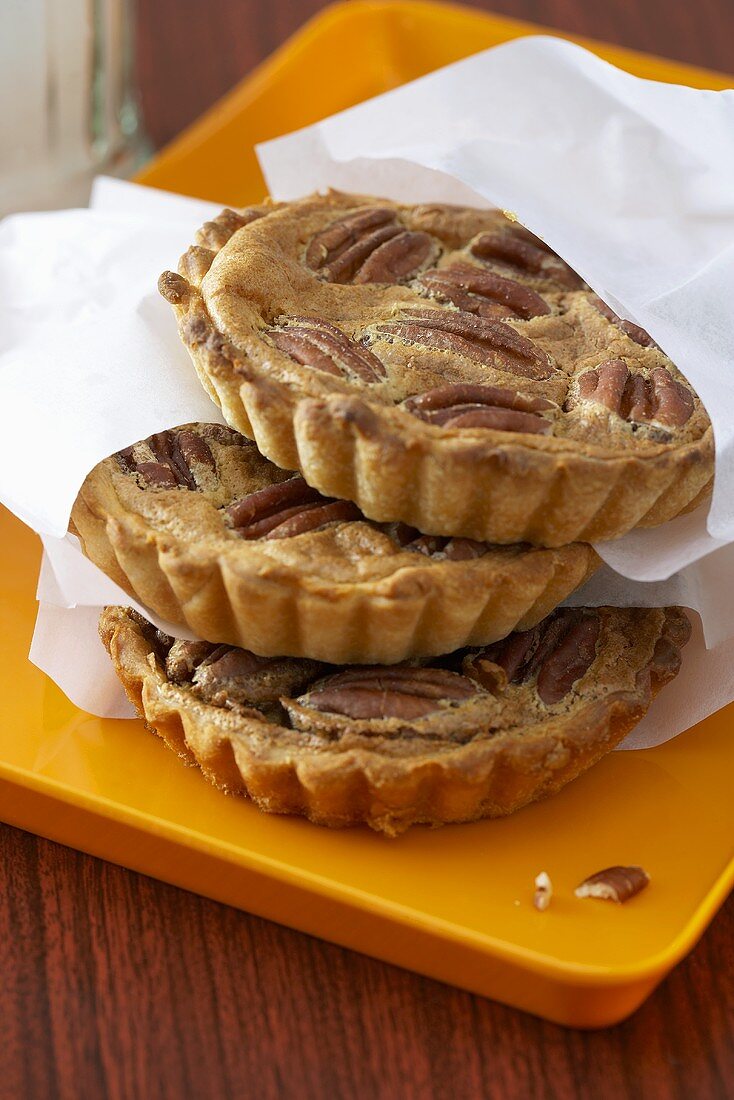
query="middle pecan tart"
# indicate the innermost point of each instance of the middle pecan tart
(477, 734)
(196, 524)
(439, 366)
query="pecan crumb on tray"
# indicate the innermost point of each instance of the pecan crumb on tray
(614, 884)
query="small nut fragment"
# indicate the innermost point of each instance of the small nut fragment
(543, 891)
(614, 884)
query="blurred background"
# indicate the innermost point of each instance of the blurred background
(198, 49)
(95, 86)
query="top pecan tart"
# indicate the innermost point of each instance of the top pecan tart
(442, 367)
(479, 733)
(200, 527)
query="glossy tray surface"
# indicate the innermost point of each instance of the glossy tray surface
(454, 903)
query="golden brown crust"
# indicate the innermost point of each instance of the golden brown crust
(345, 593)
(594, 475)
(389, 780)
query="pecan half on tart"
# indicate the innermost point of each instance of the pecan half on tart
(442, 367)
(480, 733)
(198, 526)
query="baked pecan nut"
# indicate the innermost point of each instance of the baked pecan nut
(370, 246)
(562, 660)
(644, 339)
(474, 406)
(485, 672)
(227, 676)
(397, 259)
(485, 293)
(270, 501)
(168, 460)
(636, 398)
(491, 343)
(556, 653)
(389, 692)
(286, 509)
(438, 546)
(528, 255)
(182, 458)
(317, 344)
(184, 657)
(340, 237)
(314, 517)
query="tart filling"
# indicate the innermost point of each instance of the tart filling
(200, 527)
(479, 733)
(399, 355)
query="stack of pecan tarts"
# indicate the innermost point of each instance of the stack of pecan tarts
(429, 416)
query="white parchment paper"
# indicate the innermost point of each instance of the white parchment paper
(625, 178)
(89, 353)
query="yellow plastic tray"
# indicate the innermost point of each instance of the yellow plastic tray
(453, 903)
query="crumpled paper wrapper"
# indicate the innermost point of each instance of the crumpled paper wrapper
(88, 348)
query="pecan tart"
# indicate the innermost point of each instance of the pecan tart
(442, 367)
(477, 734)
(198, 526)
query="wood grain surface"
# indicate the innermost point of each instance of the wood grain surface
(114, 985)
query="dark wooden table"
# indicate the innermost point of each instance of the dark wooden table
(114, 985)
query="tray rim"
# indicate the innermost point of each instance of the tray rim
(651, 966)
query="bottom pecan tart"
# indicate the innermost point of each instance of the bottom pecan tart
(479, 733)
(198, 526)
